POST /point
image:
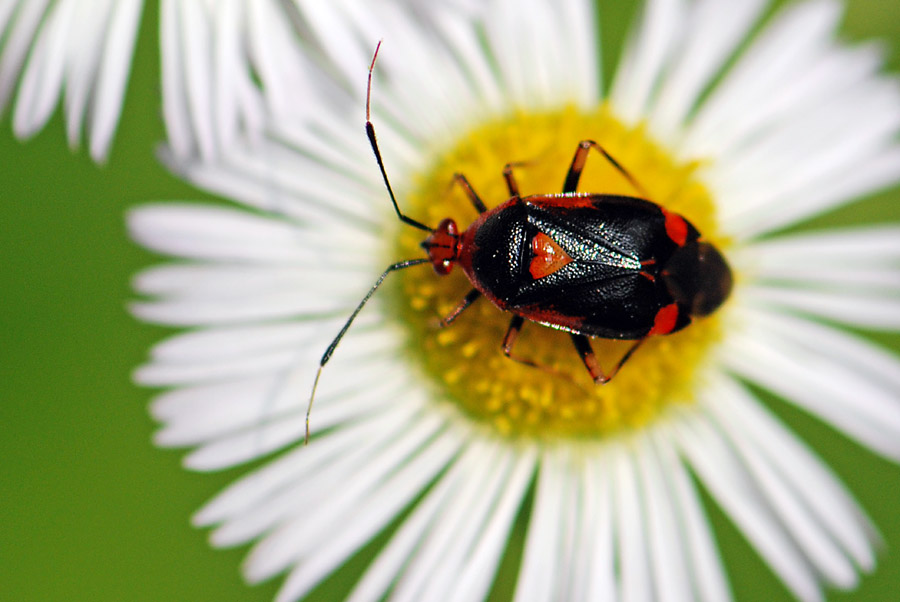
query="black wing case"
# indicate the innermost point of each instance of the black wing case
(610, 289)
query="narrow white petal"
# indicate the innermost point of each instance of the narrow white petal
(298, 466)
(212, 232)
(709, 579)
(348, 474)
(833, 71)
(199, 281)
(302, 527)
(162, 374)
(666, 546)
(437, 561)
(540, 562)
(631, 525)
(473, 59)
(582, 51)
(819, 379)
(598, 500)
(714, 28)
(481, 565)
(865, 244)
(774, 60)
(175, 112)
(790, 503)
(112, 75)
(387, 501)
(82, 64)
(250, 403)
(384, 570)
(826, 498)
(859, 258)
(43, 76)
(195, 33)
(649, 48)
(850, 307)
(7, 8)
(20, 36)
(735, 490)
(340, 44)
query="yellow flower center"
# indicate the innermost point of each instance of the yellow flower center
(465, 358)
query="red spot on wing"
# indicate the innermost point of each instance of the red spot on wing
(548, 256)
(676, 227)
(665, 320)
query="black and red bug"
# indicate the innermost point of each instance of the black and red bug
(593, 265)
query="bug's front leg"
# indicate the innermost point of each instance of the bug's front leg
(470, 298)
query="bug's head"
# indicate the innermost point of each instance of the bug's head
(442, 246)
(698, 277)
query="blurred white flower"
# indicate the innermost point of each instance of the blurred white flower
(80, 52)
(410, 432)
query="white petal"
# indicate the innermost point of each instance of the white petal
(859, 258)
(709, 580)
(386, 502)
(437, 561)
(43, 76)
(793, 505)
(211, 232)
(112, 75)
(801, 367)
(541, 562)
(649, 49)
(406, 464)
(826, 499)
(774, 60)
(481, 564)
(300, 465)
(666, 546)
(858, 308)
(631, 525)
(728, 482)
(599, 505)
(713, 29)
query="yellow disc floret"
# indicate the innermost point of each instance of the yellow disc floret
(465, 360)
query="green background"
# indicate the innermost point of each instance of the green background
(89, 509)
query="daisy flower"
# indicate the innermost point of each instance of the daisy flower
(745, 122)
(218, 58)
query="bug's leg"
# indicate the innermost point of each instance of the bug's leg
(577, 166)
(583, 346)
(511, 183)
(461, 180)
(470, 298)
(512, 335)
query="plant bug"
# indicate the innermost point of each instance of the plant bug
(593, 265)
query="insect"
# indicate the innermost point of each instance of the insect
(593, 265)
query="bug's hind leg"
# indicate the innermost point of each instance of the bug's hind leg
(577, 166)
(509, 341)
(512, 335)
(470, 298)
(586, 352)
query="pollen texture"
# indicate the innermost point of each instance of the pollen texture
(465, 361)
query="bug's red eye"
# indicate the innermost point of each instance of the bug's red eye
(442, 246)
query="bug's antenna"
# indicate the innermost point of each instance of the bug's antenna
(370, 132)
(328, 352)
